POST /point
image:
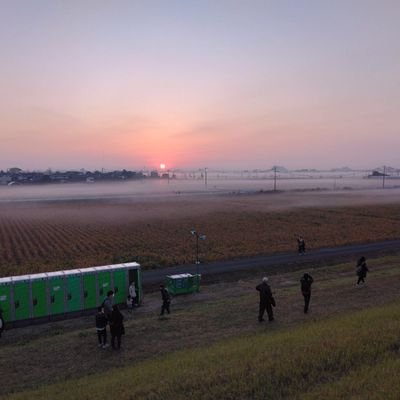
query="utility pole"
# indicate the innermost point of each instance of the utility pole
(205, 176)
(198, 236)
(384, 174)
(275, 178)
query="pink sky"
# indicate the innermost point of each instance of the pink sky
(224, 84)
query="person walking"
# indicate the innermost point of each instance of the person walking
(129, 304)
(301, 245)
(166, 299)
(266, 300)
(101, 324)
(132, 293)
(117, 327)
(362, 270)
(306, 282)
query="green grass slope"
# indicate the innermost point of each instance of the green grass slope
(355, 356)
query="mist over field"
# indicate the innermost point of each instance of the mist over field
(217, 184)
(63, 226)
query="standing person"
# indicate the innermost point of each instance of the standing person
(2, 323)
(266, 300)
(117, 327)
(101, 324)
(108, 304)
(129, 304)
(132, 293)
(362, 270)
(301, 245)
(166, 299)
(306, 282)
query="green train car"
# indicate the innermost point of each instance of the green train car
(52, 295)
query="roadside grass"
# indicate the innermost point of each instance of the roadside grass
(309, 361)
(220, 312)
(376, 382)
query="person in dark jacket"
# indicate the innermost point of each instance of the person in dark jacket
(166, 300)
(101, 324)
(362, 270)
(266, 300)
(108, 304)
(117, 327)
(301, 245)
(306, 282)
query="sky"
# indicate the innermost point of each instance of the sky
(192, 84)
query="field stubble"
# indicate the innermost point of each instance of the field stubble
(40, 237)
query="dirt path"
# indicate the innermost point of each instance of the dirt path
(276, 262)
(39, 355)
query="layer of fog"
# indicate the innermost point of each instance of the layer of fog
(331, 186)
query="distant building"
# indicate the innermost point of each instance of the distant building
(377, 174)
(35, 177)
(5, 179)
(14, 170)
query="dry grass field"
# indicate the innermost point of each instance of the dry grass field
(219, 314)
(46, 236)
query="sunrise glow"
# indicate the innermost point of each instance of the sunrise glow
(267, 83)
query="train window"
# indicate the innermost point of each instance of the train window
(16, 304)
(69, 296)
(85, 294)
(52, 299)
(34, 302)
(101, 291)
(116, 289)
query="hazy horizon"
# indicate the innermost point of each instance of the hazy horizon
(224, 85)
(193, 169)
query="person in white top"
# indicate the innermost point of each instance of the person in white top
(132, 293)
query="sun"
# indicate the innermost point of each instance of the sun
(162, 166)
